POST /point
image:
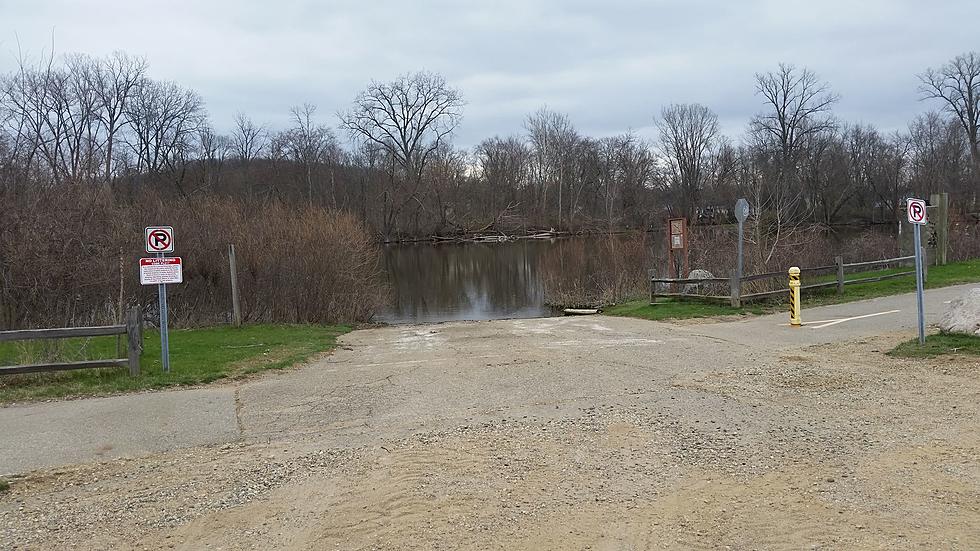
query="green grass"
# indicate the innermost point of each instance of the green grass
(939, 344)
(4, 486)
(197, 356)
(954, 273)
(677, 309)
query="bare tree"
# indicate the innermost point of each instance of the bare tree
(211, 156)
(553, 141)
(410, 117)
(114, 81)
(940, 157)
(688, 135)
(798, 109)
(164, 119)
(957, 85)
(886, 172)
(247, 139)
(247, 142)
(798, 106)
(311, 145)
(504, 165)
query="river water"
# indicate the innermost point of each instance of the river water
(480, 281)
(465, 281)
(514, 279)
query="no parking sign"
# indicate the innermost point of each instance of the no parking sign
(160, 271)
(159, 239)
(916, 209)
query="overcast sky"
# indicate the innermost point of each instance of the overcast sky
(610, 65)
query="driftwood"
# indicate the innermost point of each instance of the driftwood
(494, 238)
(581, 311)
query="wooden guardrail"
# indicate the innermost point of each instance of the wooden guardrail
(667, 287)
(133, 330)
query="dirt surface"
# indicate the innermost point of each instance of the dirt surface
(562, 433)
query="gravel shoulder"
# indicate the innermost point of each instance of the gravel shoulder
(571, 433)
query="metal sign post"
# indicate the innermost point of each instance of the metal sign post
(741, 214)
(160, 240)
(164, 332)
(916, 209)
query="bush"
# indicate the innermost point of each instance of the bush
(610, 269)
(69, 257)
(595, 271)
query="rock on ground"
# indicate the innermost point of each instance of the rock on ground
(700, 288)
(963, 315)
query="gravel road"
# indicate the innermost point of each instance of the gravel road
(560, 433)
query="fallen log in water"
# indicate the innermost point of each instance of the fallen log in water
(581, 311)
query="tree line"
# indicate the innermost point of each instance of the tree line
(79, 120)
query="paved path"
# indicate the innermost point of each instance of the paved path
(406, 378)
(51, 434)
(840, 322)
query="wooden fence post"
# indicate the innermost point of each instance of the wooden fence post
(650, 275)
(735, 283)
(134, 336)
(925, 264)
(839, 262)
(940, 223)
(236, 306)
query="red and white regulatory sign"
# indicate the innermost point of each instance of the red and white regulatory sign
(159, 239)
(161, 271)
(917, 211)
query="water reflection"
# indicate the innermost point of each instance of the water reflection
(479, 281)
(465, 281)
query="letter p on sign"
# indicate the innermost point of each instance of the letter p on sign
(917, 211)
(159, 239)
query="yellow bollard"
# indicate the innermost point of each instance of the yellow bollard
(794, 297)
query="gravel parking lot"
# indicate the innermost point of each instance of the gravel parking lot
(570, 433)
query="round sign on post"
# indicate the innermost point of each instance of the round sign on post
(917, 211)
(159, 239)
(741, 210)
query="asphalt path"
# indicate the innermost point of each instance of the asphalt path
(395, 380)
(840, 322)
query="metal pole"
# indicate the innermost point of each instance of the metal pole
(738, 271)
(917, 236)
(164, 336)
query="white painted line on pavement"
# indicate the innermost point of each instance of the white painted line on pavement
(835, 322)
(821, 321)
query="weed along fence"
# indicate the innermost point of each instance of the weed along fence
(132, 329)
(736, 291)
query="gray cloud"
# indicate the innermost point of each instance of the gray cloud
(609, 65)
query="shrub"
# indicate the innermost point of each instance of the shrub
(69, 256)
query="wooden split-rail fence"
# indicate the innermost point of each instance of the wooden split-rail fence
(688, 288)
(133, 329)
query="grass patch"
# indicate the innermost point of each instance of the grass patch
(197, 356)
(4, 486)
(954, 273)
(940, 344)
(677, 309)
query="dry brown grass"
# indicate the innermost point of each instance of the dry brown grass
(62, 251)
(612, 269)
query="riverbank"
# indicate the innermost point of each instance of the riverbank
(197, 356)
(954, 273)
